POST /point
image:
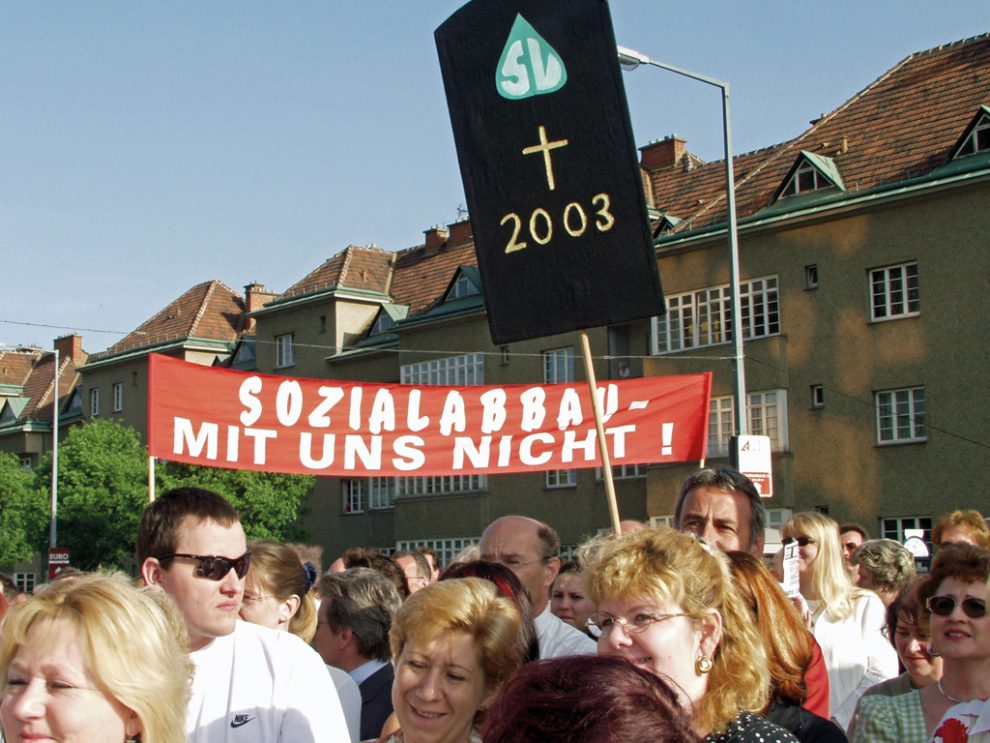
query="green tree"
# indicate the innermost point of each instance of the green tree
(102, 491)
(24, 509)
(269, 503)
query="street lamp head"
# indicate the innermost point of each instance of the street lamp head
(630, 59)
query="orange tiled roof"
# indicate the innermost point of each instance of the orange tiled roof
(38, 382)
(209, 310)
(420, 279)
(355, 267)
(901, 126)
(16, 366)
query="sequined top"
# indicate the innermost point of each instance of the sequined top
(748, 728)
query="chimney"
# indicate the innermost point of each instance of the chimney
(460, 232)
(664, 153)
(435, 238)
(255, 297)
(70, 347)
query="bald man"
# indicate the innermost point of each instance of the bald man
(529, 549)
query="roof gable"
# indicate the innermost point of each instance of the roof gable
(810, 172)
(976, 138)
(355, 267)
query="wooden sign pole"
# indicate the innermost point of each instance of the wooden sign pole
(589, 371)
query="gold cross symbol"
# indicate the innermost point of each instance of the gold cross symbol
(544, 146)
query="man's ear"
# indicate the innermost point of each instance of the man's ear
(151, 571)
(756, 546)
(553, 568)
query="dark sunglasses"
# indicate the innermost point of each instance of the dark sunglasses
(214, 567)
(945, 605)
(802, 541)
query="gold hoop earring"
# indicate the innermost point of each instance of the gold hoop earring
(703, 665)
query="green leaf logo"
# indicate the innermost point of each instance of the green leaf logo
(529, 65)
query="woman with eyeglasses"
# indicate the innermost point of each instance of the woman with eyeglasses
(666, 603)
(278, 594)
(952, 601)
(847, 621)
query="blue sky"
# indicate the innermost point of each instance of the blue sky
(148, 146)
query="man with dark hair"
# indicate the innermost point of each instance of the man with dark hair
(355, 619)
(851, 536)
(723, 507)
(251, 683)
(529, 549)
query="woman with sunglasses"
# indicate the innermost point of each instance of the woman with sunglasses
(847, 621)
(952, 600)
(667, 604)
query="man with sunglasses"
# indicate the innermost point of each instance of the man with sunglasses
(250, 683)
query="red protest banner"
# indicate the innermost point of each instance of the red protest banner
(242, 420)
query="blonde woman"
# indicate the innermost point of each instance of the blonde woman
(847, 621)
(453, 644)
(91, 659)
(667, 604)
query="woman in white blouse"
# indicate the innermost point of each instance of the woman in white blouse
(847, 621)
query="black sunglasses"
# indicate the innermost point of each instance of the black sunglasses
(215, 567)
(802, 541)
(945, 605)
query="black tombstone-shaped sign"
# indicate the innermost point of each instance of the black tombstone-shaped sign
(549, 166)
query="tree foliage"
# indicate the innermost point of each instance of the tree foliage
(24, 509)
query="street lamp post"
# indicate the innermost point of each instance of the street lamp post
(631, 59)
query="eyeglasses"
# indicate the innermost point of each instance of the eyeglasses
(214, 567)
(256, 597)
(802, 541)
(601, 624)
(945, 605)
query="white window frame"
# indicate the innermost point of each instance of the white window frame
(895, 292)
(420, 487)
(806, 178)
(352, 495)
(906, 411)
(94, 401)
(463, 370)
(561, 479)
(118, 397)
(462, 287)
(893, 527)
(25, 582)
(702, 318)
(817, 392)
(622, 472)
(765, 419)
(978, 140)
(558, 365)
(285, 354)
(382, 492)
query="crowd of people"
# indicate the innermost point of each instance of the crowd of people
(681, 634)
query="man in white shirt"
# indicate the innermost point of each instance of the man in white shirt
(529, 549)
(251, 683)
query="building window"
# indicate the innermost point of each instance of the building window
(24, 582)
(767, 413)
(777, 517)
(901, 416)
(894, 291)
(323, 324)
(893, 528)
(441, 485)
(383, 323)
(382, 492)
(284, 353)
(806, 178)
(462, 287)
(118, 397)
(561, 478)
(352, 495)
(978, 139)
(454, 370)
(94, 401)
(817, 397)
(811, 277)
(446, 549)
(27, 462)
(704, 318)
(558, 365)
(622, 472)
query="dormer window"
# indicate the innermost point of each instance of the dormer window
(810, 173)
(978, 138)
(666, 225)
(383, 323)
(806, 178)
(462, 287)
